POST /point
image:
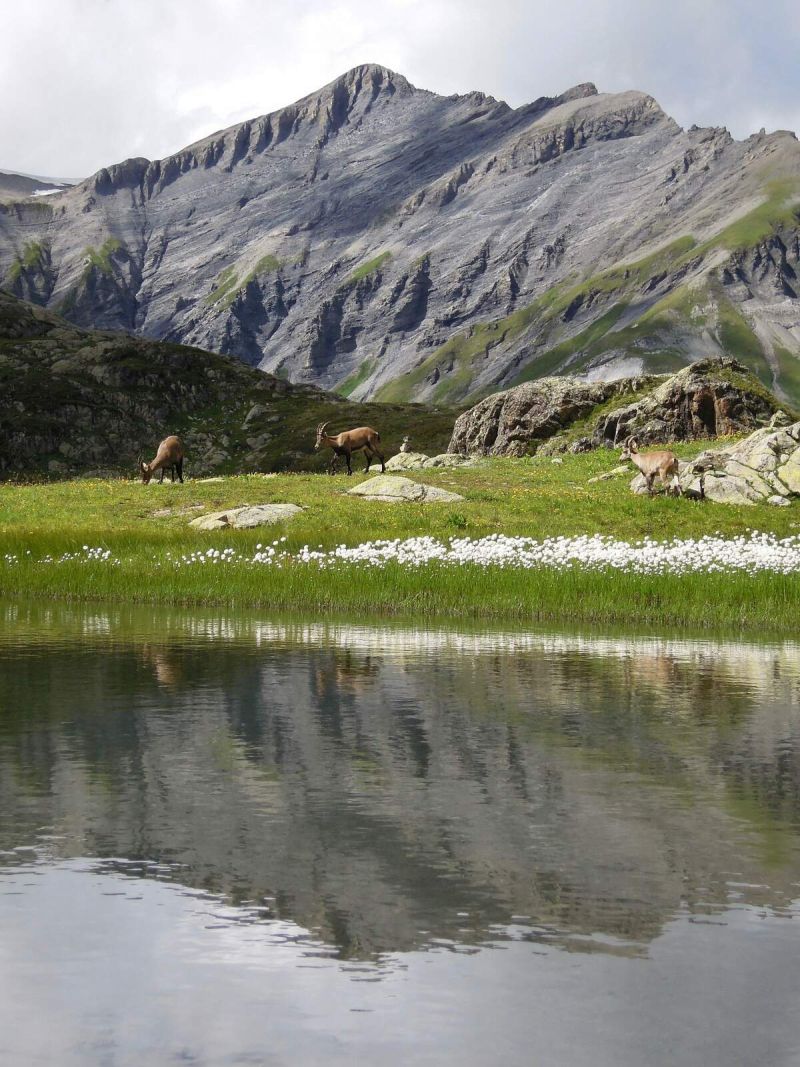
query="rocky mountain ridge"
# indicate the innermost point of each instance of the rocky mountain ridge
(388, 242)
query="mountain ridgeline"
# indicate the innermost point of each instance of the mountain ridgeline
(389, 243)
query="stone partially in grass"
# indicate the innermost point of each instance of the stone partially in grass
(246, 517)
(392, 489)
(415, 461)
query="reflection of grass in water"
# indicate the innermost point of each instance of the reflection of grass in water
(777, 838)
(658, 733)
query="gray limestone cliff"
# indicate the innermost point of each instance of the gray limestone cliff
(387, 242)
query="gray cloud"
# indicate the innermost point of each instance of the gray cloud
(84, 83)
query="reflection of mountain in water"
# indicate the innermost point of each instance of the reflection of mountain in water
(382, 783)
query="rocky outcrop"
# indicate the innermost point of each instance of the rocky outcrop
(712, 397)
(516, 421)
(350, 239)
(765, 467)
(393, 490)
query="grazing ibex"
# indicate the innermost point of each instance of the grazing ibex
(664, 464)
(345, 444)
(170, 454)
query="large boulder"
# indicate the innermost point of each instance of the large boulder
(763, 467)
(710, 398)
(246, 516)
(417, 461)
(392, 489)
(514, 422)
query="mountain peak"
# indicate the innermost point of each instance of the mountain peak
(578, 92)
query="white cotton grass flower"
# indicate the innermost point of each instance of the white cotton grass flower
(751, 553)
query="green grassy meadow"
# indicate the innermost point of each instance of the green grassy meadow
(147, 526)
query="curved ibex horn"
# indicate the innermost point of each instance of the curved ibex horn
(322, 426)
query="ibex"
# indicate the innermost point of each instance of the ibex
(664, 464)
(345, 444)
(170, 454)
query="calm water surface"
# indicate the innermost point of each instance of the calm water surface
(244, 841)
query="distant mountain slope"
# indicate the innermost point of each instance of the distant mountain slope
(386, 241)
(74, 401)
(14, 186)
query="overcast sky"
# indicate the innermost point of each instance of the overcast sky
(85, 83)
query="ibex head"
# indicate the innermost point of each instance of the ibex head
(320, 435)
(144, 469)
(630, 448)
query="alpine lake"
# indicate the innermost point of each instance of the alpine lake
(241, 839)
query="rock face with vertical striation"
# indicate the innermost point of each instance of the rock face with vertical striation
(384, 241)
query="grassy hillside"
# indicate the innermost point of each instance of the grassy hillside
(76, 401)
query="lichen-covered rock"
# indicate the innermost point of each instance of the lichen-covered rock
(711, 398)
(514, 422)
(416, 461)
(246, 516)
(392, 489)
(407, 461)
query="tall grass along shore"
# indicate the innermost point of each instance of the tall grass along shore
(531, 540)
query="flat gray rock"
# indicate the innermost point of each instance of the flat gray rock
(417, 461)
(392, 489)
(246, 516)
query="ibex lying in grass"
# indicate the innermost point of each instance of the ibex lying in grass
(345, 444)
(170, 454)
(664, 464)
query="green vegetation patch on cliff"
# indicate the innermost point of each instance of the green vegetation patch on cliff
(100, 258)
(228, 286)
(369, 267)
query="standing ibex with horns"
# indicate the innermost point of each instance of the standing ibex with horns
(345, 444)
(664, 464)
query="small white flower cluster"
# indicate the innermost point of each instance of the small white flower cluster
(86, 555)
